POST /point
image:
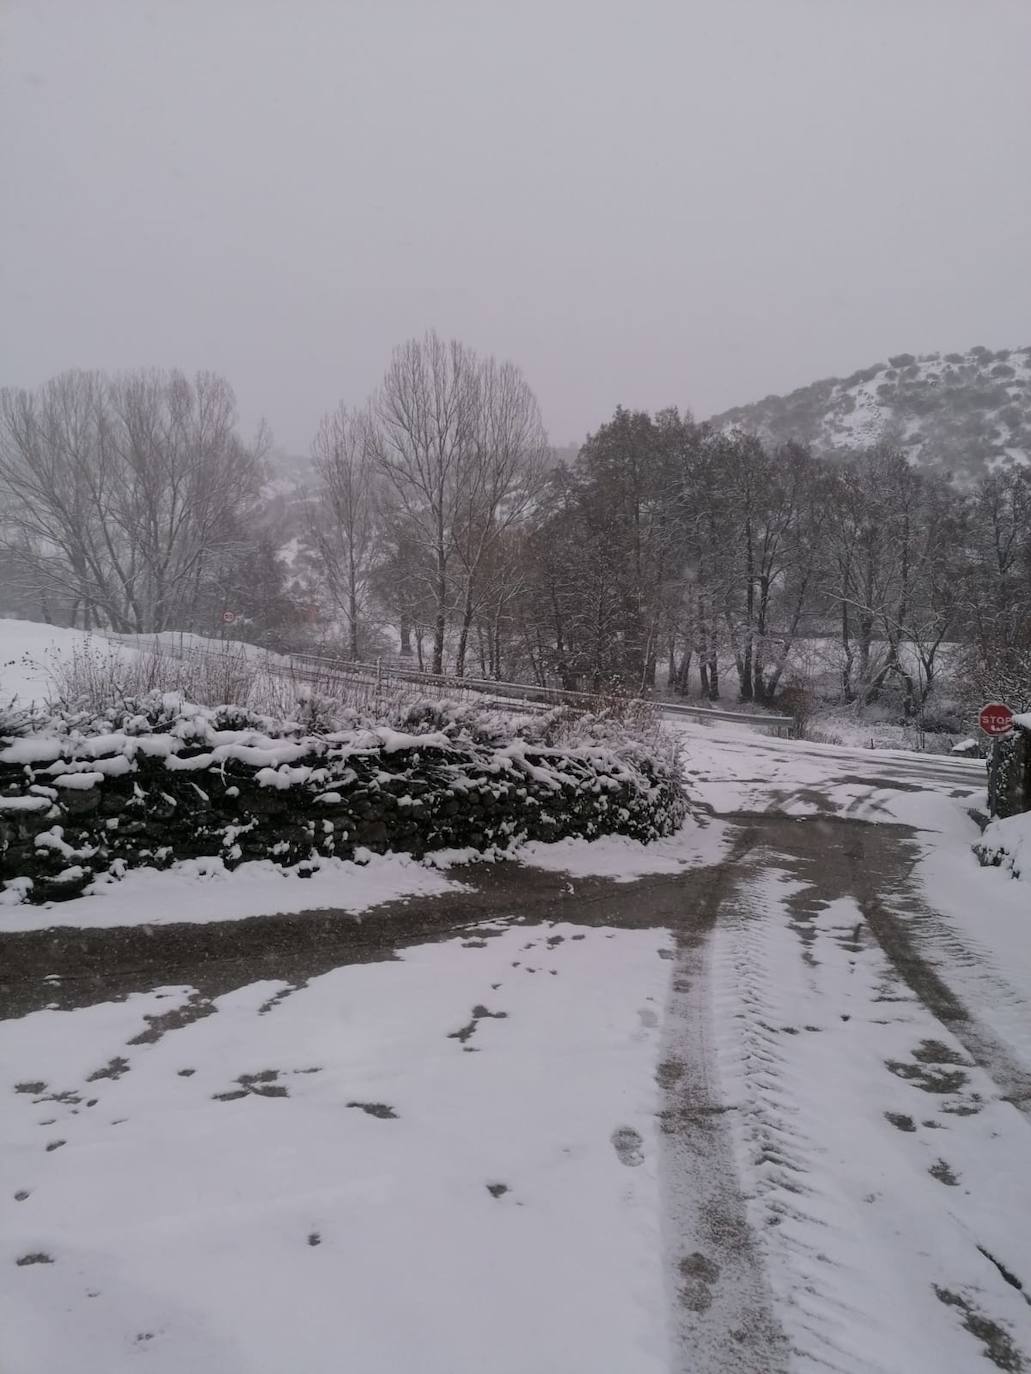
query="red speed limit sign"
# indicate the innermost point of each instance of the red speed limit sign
(996, 719)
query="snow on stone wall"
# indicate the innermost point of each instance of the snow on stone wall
(171, 782)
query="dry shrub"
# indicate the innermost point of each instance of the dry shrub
(103, 682)
(16, 720)
(98, 677)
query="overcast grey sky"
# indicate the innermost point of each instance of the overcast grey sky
(695, 202)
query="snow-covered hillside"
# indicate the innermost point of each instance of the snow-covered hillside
(32, 654)
(28, 653)
(958, 413)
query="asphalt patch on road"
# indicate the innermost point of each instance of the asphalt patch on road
(109, 964)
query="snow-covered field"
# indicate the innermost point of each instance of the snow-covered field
(28, 652)
(447, 1162)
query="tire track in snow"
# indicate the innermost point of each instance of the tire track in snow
(858, 1243)
(775, 1153)
(997, 1015)
(723, 1321)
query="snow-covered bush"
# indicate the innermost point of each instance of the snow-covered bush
(1007, 844)
(16, 720)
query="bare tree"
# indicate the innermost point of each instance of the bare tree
(426, 410)
(119, 492)
(772, 521)
(996, 588)
(460, 445)
(341, 519)
(186, 482)
(60, 488)
(502, 479)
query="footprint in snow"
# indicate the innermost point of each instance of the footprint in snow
(628, 1146)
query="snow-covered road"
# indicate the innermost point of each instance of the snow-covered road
(758, 1102)
(866, 1008)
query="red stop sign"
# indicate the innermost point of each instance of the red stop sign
(996, 719)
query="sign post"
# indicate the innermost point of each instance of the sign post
(996, 719)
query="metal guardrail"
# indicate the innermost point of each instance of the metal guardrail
(558, 696)
(532, 695)
(784, 725)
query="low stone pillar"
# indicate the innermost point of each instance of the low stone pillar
(1009, 774)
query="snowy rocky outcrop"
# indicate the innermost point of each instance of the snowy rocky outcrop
(81, 800)
(958, 413)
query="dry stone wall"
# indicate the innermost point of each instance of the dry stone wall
(73, 808)
(1009, 772)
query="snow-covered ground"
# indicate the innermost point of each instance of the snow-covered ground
(499, 1151)
(447, 1162)
(732, 769)
(195, 891)
(182, 643)
(28, 652)
(624, 860)
(835, 726)
(884, 1173)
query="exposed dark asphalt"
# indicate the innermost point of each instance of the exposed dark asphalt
(101, 964)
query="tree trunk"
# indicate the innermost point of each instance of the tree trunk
(867, 689)
(440, 613)
(745, 668)
(683, 684)
(847, 689)
(352, 622)
(463, 634)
